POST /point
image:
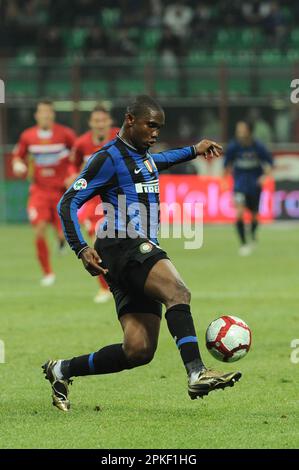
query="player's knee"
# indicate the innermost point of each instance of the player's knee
(181, 295)
(40, 230)
(187, 295)
(139, 354)
(239, 214)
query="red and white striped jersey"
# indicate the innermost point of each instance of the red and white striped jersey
(49, 151)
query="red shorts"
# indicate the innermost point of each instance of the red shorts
(90, 214)
(42, 206)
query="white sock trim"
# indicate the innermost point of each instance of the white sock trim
(57, 370)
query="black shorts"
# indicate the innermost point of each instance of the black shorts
(250, 201)
(129, 261)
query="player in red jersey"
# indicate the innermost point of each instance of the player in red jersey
(101, 132)
(47, 147)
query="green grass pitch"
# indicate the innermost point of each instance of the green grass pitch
(149, 407)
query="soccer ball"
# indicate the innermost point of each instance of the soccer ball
(228, 338)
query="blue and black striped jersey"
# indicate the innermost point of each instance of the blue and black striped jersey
(128, 183)
(247, 163)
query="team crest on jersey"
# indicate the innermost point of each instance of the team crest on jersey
(145, 248)
(149, 166)
(80, 184)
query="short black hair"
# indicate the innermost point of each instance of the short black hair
(141, 104)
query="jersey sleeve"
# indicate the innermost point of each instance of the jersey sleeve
(164, 160)
(21, 148)
(96, 177)
(229, 155)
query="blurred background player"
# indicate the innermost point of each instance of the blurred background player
(48, 145)
(250, 163)
(101, 132)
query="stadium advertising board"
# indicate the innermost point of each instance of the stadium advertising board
(215, 194)
(280, 200)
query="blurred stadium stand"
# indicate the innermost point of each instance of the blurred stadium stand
(184, 52)
(209, 63)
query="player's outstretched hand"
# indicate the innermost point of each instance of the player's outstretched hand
(208, 148)
(92, 261)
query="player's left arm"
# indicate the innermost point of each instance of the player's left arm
(267, 164)
(206, 148)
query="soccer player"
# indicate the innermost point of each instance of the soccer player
(250, 163)
(48, 144)
(140, 274)
(101, 132)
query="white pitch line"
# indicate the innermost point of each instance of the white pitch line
(244, 295)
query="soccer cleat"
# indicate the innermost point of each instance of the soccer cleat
(102, 296)
(209, 380)
(245, 250)
(60, 389)
(48, 280)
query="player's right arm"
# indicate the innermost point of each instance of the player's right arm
(228, 163)
(19, 156)
(229, 157)
(97, 176)
(206, 148)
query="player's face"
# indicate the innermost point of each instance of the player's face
(243, 133)
(100, 123)
(45, 116)
(145, 130)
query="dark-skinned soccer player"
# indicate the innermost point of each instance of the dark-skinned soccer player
(140, 274)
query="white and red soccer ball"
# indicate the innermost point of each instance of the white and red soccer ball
(228, 338)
